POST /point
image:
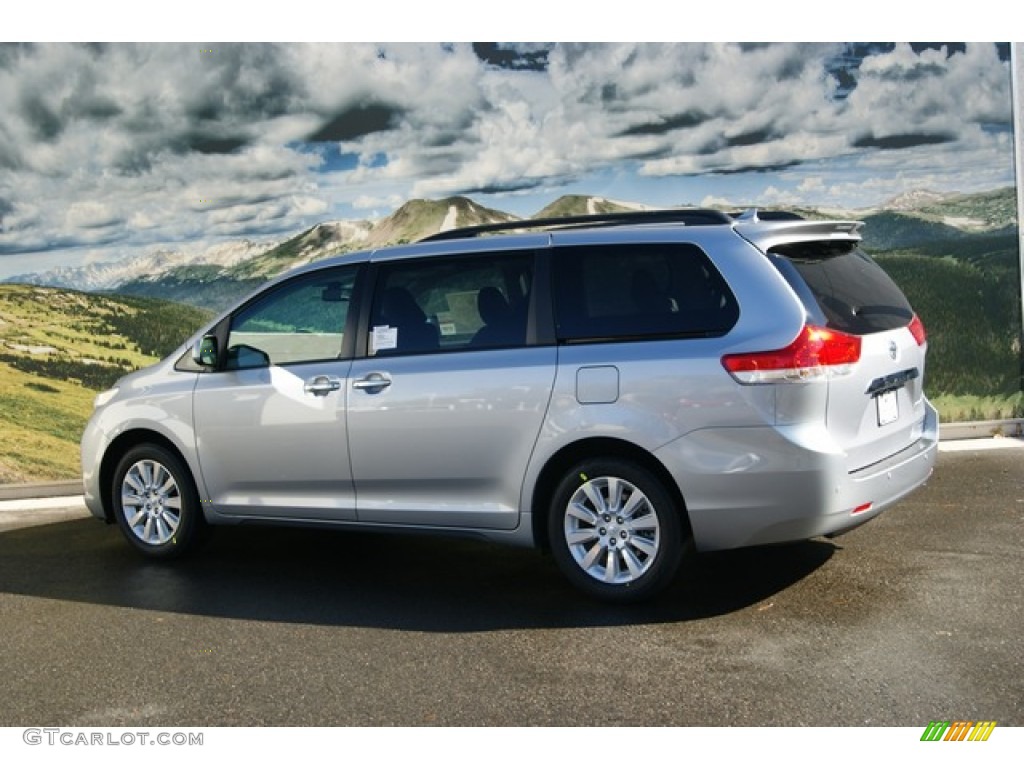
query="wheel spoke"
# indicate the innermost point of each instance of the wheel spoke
(173, 502)
(611, 568)
(580, 536)
(648, 522)
(579, 511)
(132, 479)
(636, 568)
(596, 500)
(614, 494)
(635, 500)
(592, 554)
(645, 545)
(131, 499)
(136, 518)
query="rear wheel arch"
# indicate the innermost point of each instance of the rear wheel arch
(597, 448)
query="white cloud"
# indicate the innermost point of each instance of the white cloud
(370, 202)
(91, 215)
(135, 144)
(811, 185)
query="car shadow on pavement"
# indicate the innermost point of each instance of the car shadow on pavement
(430, 584)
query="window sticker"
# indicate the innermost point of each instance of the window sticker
(384, 337)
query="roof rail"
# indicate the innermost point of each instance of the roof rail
(688, 216)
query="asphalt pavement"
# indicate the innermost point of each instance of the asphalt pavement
(914, 617)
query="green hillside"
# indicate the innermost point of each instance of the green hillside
(57, 349)
(203, 286)
(970, 304)
(971, 317)
(892, 229)
(986, 210)
(317, 242)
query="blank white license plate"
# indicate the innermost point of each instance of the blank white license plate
(888, 407)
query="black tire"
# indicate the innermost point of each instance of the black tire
(614, 530)
(155, 502)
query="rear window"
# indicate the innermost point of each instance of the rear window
(637, 291)
(843, 285)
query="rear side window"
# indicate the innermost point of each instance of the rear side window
(453, 304)
(637, 291)
(854, 294)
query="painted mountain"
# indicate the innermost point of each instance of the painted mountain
(956, 256)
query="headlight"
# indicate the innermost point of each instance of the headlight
(104, 397)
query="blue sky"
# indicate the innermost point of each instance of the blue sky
(113, 150)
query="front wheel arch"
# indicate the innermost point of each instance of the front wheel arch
(116, 451)
(155, 502)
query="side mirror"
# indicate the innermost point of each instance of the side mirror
(205, 351)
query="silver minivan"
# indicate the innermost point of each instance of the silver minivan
(621, 390)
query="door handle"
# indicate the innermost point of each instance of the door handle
(321, 386)
(375, 382)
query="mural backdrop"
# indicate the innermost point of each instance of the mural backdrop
(193, 172)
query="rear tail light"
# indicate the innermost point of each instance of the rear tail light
(815, 354)
(916, 329)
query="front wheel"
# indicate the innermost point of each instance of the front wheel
(615, 531)
(156, 503)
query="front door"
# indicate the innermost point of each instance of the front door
(270, 425)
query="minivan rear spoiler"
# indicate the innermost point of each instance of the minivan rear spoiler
(768, 234)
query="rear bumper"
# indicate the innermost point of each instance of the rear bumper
(766, 485)
(885, 483)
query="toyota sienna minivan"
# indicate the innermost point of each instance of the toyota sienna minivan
(621, 390)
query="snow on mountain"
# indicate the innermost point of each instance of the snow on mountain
(323, 239)
(107, 275)
(914, 200)
(599, 205)
(450, 218)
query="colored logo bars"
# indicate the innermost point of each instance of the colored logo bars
(959, 730)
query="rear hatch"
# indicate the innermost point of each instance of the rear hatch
(875, 409)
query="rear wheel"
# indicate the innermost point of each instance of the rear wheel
(615, 531)
(156, 503)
